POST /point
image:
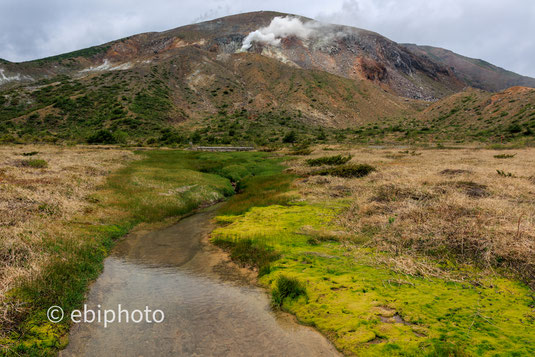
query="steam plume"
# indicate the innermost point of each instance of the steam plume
(278, 28)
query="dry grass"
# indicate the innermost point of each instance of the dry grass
(443, 205)
(35, 201)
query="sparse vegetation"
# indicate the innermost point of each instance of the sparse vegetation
(249, 253)
(404, 252)
(329, 160)
(286, 287)
(34, 163)
(347, 171)
(504, 174)
(504, 156)
(71, 222)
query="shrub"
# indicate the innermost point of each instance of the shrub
(303, 150)
(347, 171)
(286, 287)
(504, 174)
(31, 153)
(102, 137)
(504, 156)
(514, 128)
(35, 163)
(290, 138)
(329, 160)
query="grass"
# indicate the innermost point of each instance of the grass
(81, 210)
(34, 163)
(250, 254)
(355, 300)
(429, 254)
(403, 266)
(286, 288)
(259, 191)
(504, 156)
(329, 160)
(347, 171)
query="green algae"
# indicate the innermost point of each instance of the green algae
(368, 309)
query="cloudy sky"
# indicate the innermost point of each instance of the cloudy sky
(501, 32)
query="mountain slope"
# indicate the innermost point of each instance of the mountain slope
(474, 72)
(480, 115)
(341, 50)
(227, 97)
(244, 78)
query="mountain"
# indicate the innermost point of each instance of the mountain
(474, 72)
(250, 77)
(483, 116)
(341, 50)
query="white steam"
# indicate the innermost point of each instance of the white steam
(17, 77)
(280, 27)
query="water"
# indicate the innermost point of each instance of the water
(210, 309)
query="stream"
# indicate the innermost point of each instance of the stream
(210, 308)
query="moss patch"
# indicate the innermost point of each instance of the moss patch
(367, 309)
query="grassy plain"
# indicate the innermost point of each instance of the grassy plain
(430, 254)
(59, 221)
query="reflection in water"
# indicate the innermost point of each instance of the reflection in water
(206, 314)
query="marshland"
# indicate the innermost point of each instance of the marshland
(381, 250)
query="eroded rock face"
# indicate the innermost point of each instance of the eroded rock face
(349, 52)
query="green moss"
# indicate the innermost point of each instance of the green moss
(367, 309)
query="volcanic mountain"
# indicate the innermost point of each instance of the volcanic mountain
(245, 77)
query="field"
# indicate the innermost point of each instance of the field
(398, 251)
(431, 253)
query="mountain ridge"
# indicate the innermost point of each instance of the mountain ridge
(475, 72)
(408, 70)
(222, 77)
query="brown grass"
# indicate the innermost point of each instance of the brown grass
(443, 205)
(35, 201)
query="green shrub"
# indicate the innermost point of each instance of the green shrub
(34, 163)
(514, 128)
(329, 160)
(286, 287)
(347, 171)
(290, 138)
(102, 137)
(302, 150)
(31, 153)
(504, 156)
